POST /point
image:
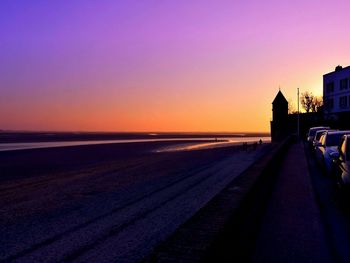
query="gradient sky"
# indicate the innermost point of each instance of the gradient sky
(161, 65)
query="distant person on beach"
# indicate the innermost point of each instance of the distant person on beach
(260, 142)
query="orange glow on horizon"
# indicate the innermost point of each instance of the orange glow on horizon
(121, 66)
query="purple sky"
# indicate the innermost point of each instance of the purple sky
(162, 65)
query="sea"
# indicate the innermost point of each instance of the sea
(14, 141)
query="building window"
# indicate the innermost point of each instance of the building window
(330, 103)
(343, 102)
(344, 84)
(330, 87)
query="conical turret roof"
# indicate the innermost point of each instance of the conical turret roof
(279, 98)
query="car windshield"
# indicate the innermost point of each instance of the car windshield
(313, 131)
(333, 139)
(318, 135)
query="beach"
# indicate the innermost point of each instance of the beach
(106, 202)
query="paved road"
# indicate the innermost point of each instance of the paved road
(96, 214)
(292, 229)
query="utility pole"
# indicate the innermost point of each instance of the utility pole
(298, 117)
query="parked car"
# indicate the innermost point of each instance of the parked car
(317, 137)
(312, 132)
(341, 161)
(328, 144)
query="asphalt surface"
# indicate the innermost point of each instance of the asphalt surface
(308, 215)
(292, 229)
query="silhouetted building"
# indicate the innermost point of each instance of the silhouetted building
(336, 97)
(279, 123)
(335, 113)
(284, 124)
(336, 90)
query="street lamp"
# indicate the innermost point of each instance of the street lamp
(298, 117)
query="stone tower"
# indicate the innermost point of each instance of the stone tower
(279, 123)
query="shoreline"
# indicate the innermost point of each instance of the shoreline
(4, 147)
(21, 137)
(44, 161)
(74, 195)
(204, 142)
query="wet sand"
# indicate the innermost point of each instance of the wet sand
(105, 203)
(18, 137)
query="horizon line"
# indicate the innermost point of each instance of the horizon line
(150, 132)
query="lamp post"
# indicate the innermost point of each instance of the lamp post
(298, 117)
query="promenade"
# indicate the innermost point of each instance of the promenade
(271, 215)
(291, 229)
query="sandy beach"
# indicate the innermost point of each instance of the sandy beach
(106, 202)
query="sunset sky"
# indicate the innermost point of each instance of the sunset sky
(161, 65)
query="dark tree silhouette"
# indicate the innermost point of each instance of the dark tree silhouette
(306, 100)
(309, 102)
(317, 104)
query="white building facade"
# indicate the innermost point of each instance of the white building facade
(336, 91)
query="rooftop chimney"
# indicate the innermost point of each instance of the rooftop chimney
(337, 68)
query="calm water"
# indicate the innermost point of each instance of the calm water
(199, 144)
